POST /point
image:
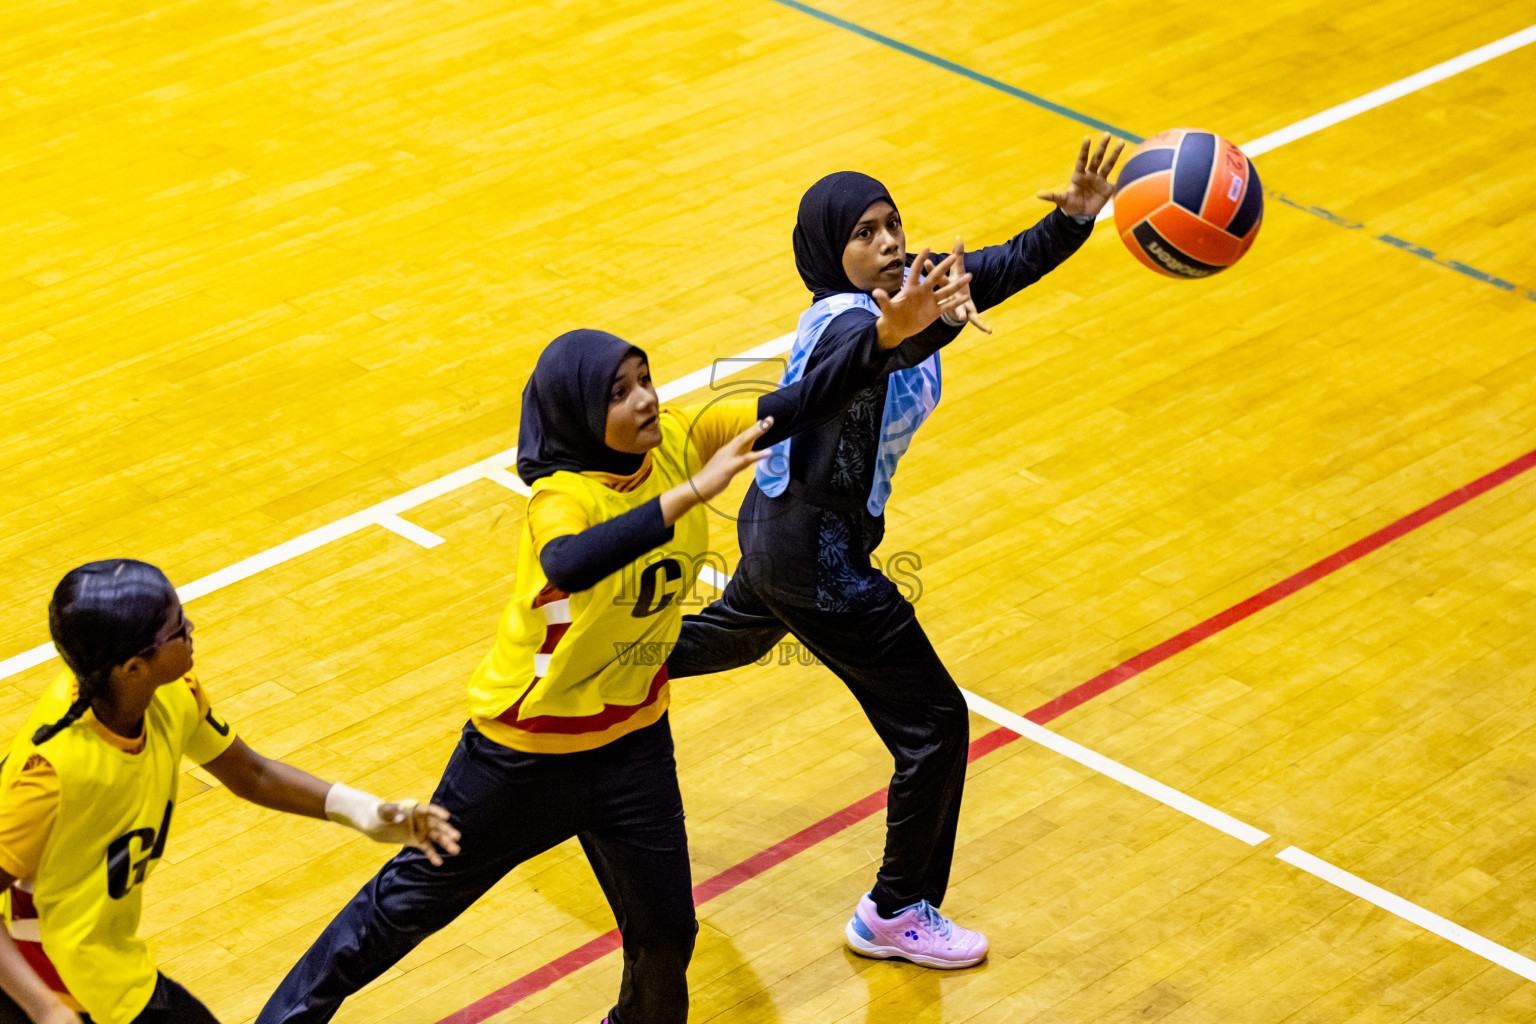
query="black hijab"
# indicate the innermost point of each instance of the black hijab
(829, 211)
(565, 407)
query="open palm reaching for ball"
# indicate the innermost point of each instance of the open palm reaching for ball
(1090, 188)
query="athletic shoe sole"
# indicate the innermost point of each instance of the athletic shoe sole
(864, 947)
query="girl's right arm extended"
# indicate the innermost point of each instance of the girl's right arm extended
(581, 555)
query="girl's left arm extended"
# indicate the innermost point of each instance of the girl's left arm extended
(1000, 271)
(282, 787)
(1004, 270)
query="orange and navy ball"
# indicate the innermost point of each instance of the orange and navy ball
(1188, 203)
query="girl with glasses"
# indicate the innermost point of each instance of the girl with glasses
(88, 798)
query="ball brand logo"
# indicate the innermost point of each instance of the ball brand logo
(1235, 189)
(1175, 264)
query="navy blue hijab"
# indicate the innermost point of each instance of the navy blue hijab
(565, 407)
(829, 211)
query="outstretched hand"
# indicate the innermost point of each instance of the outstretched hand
(715, 476)
(964, 312)
(927, 293)
(733, 457)
(424, 826)
(1090, 188)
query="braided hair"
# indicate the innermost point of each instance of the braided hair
(103, 614)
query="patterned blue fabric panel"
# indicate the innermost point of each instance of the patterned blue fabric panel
(911, 396)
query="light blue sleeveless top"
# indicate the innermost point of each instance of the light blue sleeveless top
(910, 397)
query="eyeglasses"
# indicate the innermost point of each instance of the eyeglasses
(182, 631)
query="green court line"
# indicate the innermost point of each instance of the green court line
(1404, 245)
(961, 70)
(1093, 122)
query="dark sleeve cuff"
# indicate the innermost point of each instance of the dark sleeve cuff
(1074, 225)
(924, 344)
(579, 561)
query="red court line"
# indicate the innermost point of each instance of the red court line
(1263, 599)
(705, 891)
(533, 981)
(803, 840)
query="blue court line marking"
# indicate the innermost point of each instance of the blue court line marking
(1404, 245)
(1093, 122)
(961, 70)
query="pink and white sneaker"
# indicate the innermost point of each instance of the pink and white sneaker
(919, 933)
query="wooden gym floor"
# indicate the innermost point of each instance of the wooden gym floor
(269, 264)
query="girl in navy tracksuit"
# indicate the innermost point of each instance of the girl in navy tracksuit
(815, 513)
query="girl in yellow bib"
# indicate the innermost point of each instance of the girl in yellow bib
(568, 733)
(88, 795)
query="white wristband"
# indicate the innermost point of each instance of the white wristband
(358, 810)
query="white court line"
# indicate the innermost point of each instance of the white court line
(705, 377)
(1091, 759)
(300, 545)
(26, 659)
(510, 481)
(1386, 94)
(1114, 770)
(714, 577)
(1468, 940)
(1355, 886)
(386, 513)
(1352, 884)
(691, 382)
(1188, 805)
(410, 531)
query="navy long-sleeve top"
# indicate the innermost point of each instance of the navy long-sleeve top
(811, 545)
